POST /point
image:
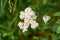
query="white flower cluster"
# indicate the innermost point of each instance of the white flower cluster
(29, 17)
(46, 18)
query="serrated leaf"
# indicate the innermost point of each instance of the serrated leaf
(56, 14)
(58, 30)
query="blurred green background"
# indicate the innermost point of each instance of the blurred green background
(9, 18)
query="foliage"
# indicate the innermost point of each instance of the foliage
(58, 30)
(57, 14)
(9, 18)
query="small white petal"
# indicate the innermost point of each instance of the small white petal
(27, 16)
(27, 21)
(24, 30)
(28, 9)
(22, 12)
(26, 25)
(20, 24)
(34, 24)
(22, 15)
(31, 13)
(46, 18)
(33, 17)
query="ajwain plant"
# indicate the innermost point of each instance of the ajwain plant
(29, 19)
(28, 15)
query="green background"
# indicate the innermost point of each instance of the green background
(9, 18)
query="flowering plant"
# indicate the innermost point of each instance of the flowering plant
(29, 17)
(36, 19)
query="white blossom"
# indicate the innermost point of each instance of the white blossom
(23, 26)
(27, 21)
(32, 13)
(24, 30)
(28, 9)
(26, 25)
(29, 17)
(20, 24)
(33, 17)
(46, 18)
(22, 15)
(34, 24)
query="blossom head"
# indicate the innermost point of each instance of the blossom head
(46, 18)
(29, 17)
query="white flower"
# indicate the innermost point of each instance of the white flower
(20, 24)
(27, 21)
(34, 24)
(23, 26)
(22, 15)
(24, 30)
(33, 17)
(28, 15)
(46, 18)
(28, 9)
(32, 13)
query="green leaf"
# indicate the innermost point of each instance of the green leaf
(58, 30)
(46, 26)
(0, 37)
(35, 38)
(56, 14)
(44, 39)
(54, 28)
(54, 37)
